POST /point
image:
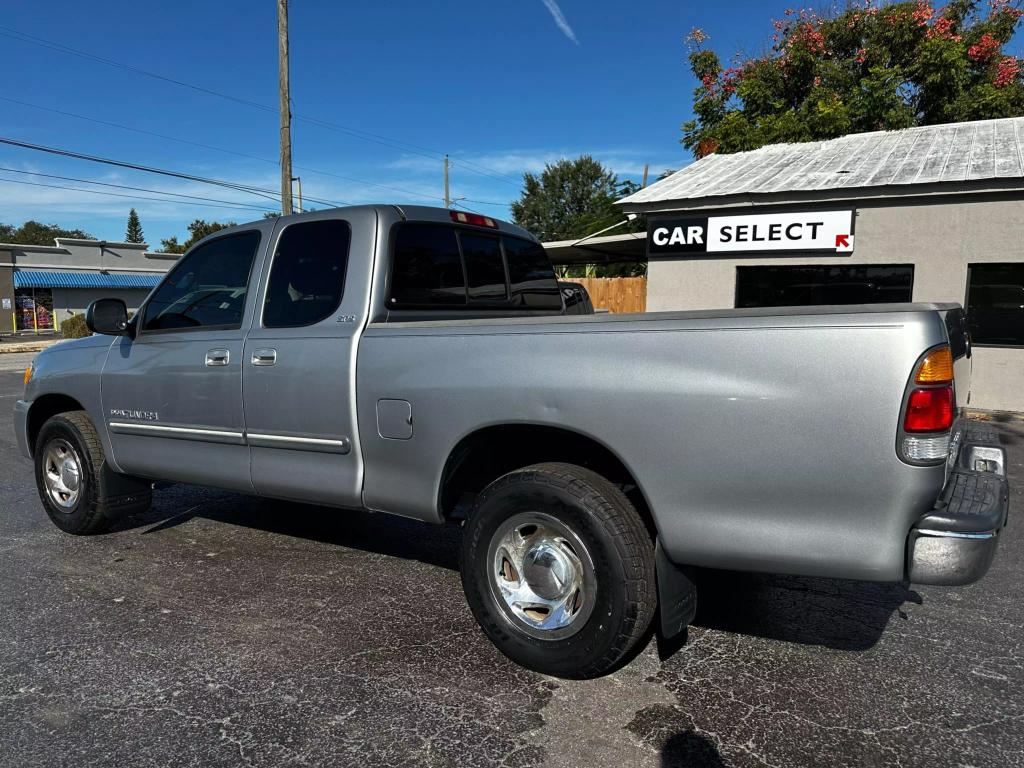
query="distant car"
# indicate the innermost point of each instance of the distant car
(577, 300)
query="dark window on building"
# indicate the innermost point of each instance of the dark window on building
(426, 269)
(307, 278)
(823, 284)
(995, 304)
(33, 309)
(207, 288)
(485, 269)
(532, 283)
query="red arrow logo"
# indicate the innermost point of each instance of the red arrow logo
(842, 241)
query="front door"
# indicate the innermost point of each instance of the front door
(298, 376)
(172, 396)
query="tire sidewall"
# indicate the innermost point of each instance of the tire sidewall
(80, 516)
(570, 656)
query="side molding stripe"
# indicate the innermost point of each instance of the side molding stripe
(320, 445)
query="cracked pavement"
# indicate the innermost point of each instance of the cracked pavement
(221, 630)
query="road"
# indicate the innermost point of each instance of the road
(15, 361)
(219, 630)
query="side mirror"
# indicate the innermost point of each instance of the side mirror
(107, 316)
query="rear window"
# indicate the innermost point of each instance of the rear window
(435, 266)
(485, 269)
(531, 277)
(426, 269)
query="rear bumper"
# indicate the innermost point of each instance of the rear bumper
(21, 427)
(956, 541)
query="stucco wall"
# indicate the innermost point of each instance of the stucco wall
(74, 301)
(940, 239)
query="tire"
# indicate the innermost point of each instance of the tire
(558, 569)
(75, 484)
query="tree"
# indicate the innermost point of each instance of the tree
(197, 230)
(35, 233)
(868, 68)
(133, 234)
(571, 199)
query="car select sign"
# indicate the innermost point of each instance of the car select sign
(822, 231)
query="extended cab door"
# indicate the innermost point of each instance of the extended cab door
(298, 379)
(172, 396)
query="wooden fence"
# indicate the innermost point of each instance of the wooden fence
(616, 294)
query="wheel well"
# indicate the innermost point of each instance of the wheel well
(46, 407)
(484, 456)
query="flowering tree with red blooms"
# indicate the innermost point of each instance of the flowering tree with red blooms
(871, 67)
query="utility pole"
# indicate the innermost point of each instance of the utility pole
(644, 182)
(447, 197)
(286, 110)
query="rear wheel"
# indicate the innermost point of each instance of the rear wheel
(558, 569)
(74, 482)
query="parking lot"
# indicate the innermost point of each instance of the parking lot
(223, 630)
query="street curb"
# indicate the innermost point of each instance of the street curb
(28, 346)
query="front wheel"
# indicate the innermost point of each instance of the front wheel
(558, 569)
(74, 482)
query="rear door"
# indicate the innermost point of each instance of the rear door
(172, 396)
(298, 378)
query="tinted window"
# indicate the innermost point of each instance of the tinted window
(485, 269)
(531, 277)
(821, 284)
(995, 304)
(307, 278)
(426, 268)
(207, 287)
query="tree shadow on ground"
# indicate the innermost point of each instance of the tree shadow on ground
(689, 749)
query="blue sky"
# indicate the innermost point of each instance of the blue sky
(503, 85)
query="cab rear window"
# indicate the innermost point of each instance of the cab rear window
(437, 266)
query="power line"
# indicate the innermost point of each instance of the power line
(414, 194)
(233, 203)
(114, 194)
(269, 194)
(355, 132)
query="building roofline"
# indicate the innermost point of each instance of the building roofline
(62, 241)
(933, 191)
(33, 248)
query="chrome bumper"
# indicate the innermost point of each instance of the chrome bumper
(21, 427)
(956, 541)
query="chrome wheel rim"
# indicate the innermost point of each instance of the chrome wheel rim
(541, 576)
(62, 473)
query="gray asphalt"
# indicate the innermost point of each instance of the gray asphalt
(219, 630)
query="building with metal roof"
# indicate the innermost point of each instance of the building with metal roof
(933, 213)
(983, 155)
(43, 285)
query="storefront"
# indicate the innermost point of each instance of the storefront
(933, 214)
(41, 286)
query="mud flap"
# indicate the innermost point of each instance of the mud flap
(677, 594)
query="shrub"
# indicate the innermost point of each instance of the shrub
(74, 327)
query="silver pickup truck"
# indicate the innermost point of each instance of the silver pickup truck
(420, 362)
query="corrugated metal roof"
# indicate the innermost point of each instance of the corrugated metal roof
(41, 279)
(956, 152)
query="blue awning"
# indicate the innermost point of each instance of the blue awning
(40, 279)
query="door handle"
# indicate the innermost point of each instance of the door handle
(264, 356)
(216, 357)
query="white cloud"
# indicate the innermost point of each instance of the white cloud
(559, 17)
(625, 161)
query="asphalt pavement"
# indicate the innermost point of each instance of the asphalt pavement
(221, 630)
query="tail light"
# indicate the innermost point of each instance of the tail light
(929, 409)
